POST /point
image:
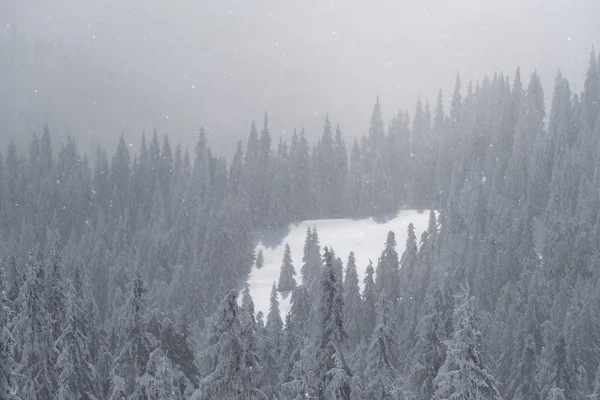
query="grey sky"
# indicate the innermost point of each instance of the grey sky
(224, 63)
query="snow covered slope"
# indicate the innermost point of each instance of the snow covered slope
(366, 237)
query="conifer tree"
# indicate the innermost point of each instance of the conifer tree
(353, 307)
(260, 260)
(231, 366)
(330, 336)
(369, 301)
(525, 385)
(136, 343)
(77, 378)
(430, 350)
(286, 275)
(32, 324)
(7, 344)
(311, 262)
(382, 359)
(463, 374)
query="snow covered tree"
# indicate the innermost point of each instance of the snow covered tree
(7, 344)
(136, 343)
(311, 258)
(260, 260)
(430, 351)
(353, 307)
(330, 336)
(77, 378)
(301, 306)
(463, 374)
(32, 326)
(387, 273)
(248, 303)
(230, 363)
(408, 261)
(369, 301)
(274, 324)
(558, 372)
(382, 359)
(525, 385)
(287, 272)
(157, 382)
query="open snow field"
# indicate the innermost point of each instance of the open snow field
(366, 237)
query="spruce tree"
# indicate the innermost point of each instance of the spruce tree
(463, 375)
(381, 359)
(330, 336)
(7, 344)
(369, 301)
(32, 326)
(287, 272)
(77, 377)
(136, 343)
(388, 270)
(230, 364)
(353, 307)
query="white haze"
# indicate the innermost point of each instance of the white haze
(222, 64)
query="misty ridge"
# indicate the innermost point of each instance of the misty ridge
(450, 252)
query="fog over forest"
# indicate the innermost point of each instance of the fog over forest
(178, 65)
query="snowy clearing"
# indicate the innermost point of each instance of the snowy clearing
(366, 237)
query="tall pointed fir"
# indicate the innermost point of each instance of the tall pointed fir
(311, 259)
(287, 272)
(463, 375)
(369, 301)
(136, 343)
(388, 270)
(7, 344)
(382, 360)
(524, 385)
(77, 376)
(429, 353)
(230, 364)
(330, 338)
(353, 307)
(33, 326)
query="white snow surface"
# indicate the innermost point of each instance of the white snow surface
(365, 237)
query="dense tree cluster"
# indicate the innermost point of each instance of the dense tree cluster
(119, 280)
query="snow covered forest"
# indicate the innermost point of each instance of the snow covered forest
(122, 272)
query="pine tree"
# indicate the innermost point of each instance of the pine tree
(353, 307)
(274, 322)
(524, 385)
(286, 275)
(430, 350)
(77, 378)
(382, 360)
(157, 382)
(311, 259)
(463, 375)
(260, 260)
(301, 306)
(388, 270)
(330, 336)
(7, 344)
(408, 261)
(559, 372)
(33, 327)
(136, 343)
(247, 302)
(231, 365)
(369, 301)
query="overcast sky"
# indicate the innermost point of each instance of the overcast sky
(223, 63)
